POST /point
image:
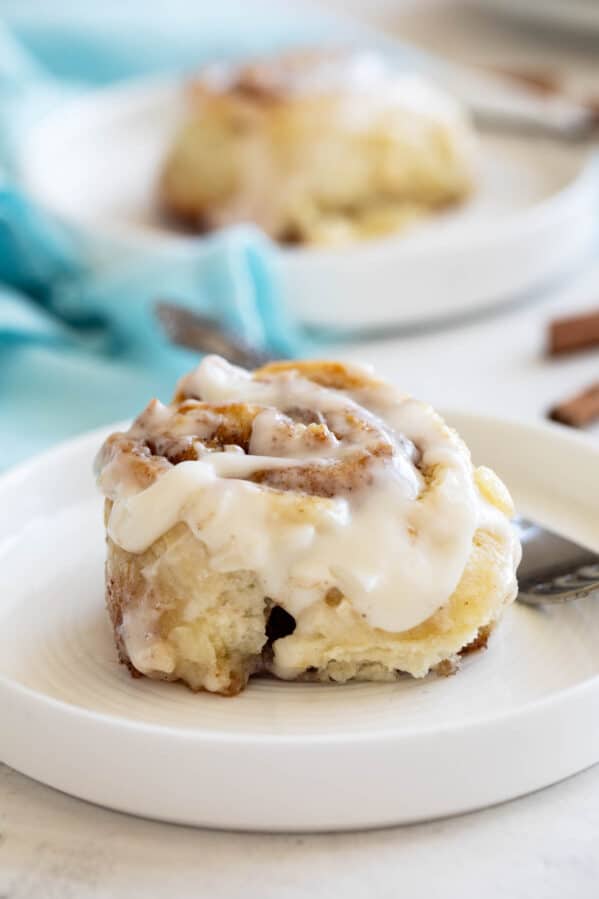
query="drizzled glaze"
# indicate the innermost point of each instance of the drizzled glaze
(363, 490)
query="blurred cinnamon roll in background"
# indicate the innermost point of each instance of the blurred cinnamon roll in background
(307, 520)
(316, 148)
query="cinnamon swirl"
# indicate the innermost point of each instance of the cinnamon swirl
(307, 520)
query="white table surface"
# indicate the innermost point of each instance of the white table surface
(545, 845)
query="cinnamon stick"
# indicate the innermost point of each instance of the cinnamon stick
(577, 332)
(544, 81)
(592, 104)
(579, 410)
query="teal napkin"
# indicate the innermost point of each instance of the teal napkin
(80, 346)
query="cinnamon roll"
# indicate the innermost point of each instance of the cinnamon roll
(316, 148)
(306, 520)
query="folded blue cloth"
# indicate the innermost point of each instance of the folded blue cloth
(80, 346)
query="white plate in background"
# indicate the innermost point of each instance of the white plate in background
(285, 756)
(93, 163)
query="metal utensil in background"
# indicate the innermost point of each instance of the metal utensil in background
(495, 101)
(497, 104)
(198, 332)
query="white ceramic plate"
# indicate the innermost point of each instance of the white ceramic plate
(94, 164)
(519, 716)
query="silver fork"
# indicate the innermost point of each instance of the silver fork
(553, 569)
(195, 331)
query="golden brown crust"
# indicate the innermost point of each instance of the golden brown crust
(480, 641)
(121, 592)
(336, 375)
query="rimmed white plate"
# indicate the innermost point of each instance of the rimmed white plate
(94, 164)
(518, 717)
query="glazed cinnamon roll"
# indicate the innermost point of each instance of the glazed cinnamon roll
(306, 520)
(316, 148)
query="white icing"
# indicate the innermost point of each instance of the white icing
(396, 547)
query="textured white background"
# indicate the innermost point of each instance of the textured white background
(545, 845)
